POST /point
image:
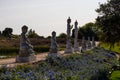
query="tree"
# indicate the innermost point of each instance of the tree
(7, 32)
(32, 34)
(89, 29)
(62, 35)
(109, 21)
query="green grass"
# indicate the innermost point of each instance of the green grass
(115, 75)
(107, 46)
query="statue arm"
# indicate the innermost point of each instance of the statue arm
(71, 26)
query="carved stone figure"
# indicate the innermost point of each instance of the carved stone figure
(54, 46)
(69, 48)
(76, 44)
(89, 43)
(83, 48)
(93, 42)
(26, 52)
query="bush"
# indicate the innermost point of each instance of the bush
(41, 49)
(15, 51)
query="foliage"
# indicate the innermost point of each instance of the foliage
(15, 51)
(62, 35)
(90, 29)
(7, 32)
(116, 47)
(115, 75)
(41, 49)
(109, 21)
(32, 34)
(86, 66)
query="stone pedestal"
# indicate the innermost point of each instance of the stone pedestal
(76, 47)
(83, 48)
(89, 46)
(53, 54)
(69, 48)
(26, 59)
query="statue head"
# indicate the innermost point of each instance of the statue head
(76, 23)
(69, 20)
(53, 33)
(24, 29)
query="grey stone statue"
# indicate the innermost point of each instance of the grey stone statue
(76, 43)
(26, 53)
(54, 46)
(93, 42)
(83, 48)
(69, 48)
(89, 44)
(25, 47)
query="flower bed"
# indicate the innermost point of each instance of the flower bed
(92, 65)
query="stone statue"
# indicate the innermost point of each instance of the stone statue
(93, 42)
(89, 43)
(76, 44)
(54, 46)
(25, 43)
(83, 44)
(69, 27)
(26, 53)
(69, 48)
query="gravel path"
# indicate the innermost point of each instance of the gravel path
(11, 62)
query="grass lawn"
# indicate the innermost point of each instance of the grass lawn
(115, 75)
(107, 46)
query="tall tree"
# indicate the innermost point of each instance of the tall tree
(109, 21)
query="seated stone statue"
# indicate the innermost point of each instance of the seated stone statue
(54, 46)
(26, 48)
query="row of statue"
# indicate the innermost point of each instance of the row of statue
(26, 52)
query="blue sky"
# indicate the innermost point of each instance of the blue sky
(45, 16)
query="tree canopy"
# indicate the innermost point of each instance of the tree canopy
(89, 29)
(109, 21)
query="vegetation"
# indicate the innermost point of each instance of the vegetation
(62, 35)
(15, 51)
(93, 65)
(116, 47)
(32, 34)
(90, 29)
(109, 21)
(7, 32)
(115, 75)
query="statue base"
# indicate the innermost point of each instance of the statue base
(69, 50)
(26, 59)
(53, 54)
(77, 49)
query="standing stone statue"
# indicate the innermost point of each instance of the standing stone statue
(26, 53)
(76, 44)
(54, 46)
(69, 48)
(89, 44)
(83, 48)
(93, 42)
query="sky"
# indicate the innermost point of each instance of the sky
(45, 16)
